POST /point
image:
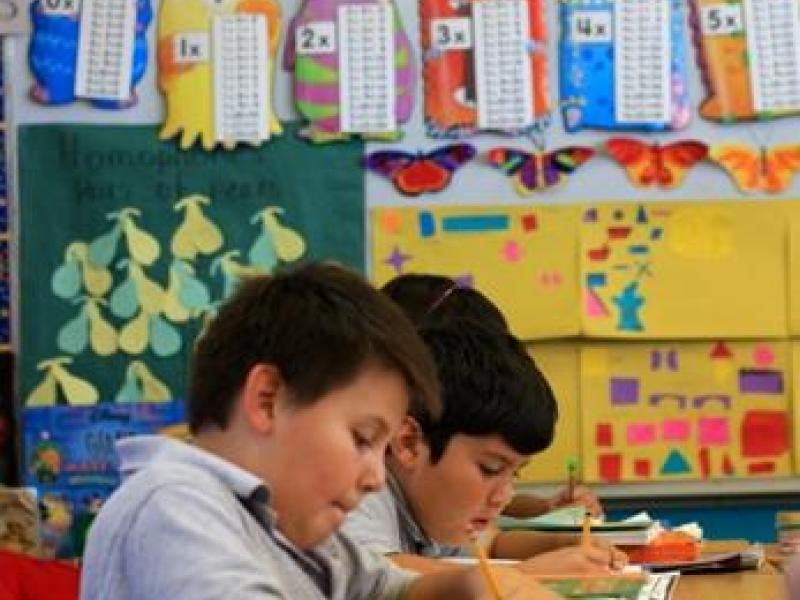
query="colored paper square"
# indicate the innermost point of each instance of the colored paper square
(761, 468)
(427, 224)
(605, 434)
(529, 223)
(641, 467)
(641, 433)
(764, 433)
(675, 430)
(760, 381)
(610, 466)
(623, 390)
(713, 431)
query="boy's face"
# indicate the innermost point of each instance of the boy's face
(332, 453)
(461, 494)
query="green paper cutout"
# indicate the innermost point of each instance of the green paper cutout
(66, 281)
(124, 299)
(164, 338)
(103, 248)
(262, 253)
(73, 337)
(129, 392)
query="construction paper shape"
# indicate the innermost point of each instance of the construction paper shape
(424, 172)
(457, 240)
(641, 433)
(141, 385)
(458, 72)
(758, 170)
(655, 165)
(624, 390)
(676, 464)
(763, 356)
(713, 431)
(58, 383)
(765, 433)
(358, 80)
(216, 64)
(761, 468)
(536, 172)
(675, 430)
(623, 65)
(748, 55)
(276, 241)
(698, 280)
(610, 467)
(642, 467)
(760, 381)
(197, 235)
(605, 434)
(704, 460)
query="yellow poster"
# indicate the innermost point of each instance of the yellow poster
(680, 270)
(796, 404)
(559, 363)
(793, 210)
(685, 410)
(522, 257)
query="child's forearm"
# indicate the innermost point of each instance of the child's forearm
(422, 564)
(524, 544)
(452, 583)
(527, 505)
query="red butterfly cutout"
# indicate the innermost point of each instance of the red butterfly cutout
(415, 174)
(665, 166)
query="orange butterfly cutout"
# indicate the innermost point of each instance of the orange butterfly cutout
(758, 169)
(647, 164)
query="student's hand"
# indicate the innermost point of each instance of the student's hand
(575, 559)
(581, 496)
(516, 585)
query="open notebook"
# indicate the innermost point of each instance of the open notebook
(635, 530)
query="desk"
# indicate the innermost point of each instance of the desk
(765, 584)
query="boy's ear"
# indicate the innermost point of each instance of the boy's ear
(260, 396)
(408, 444)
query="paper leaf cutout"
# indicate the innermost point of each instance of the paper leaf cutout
(103, 248)
(66, 281)
(124, 299)
(73, 337)
(142, 247)
(196, 234)
(102, 336)
(134, 336)
(164, 338)
(415, 174)
(141, 385)
(76, 391)
(44, 394)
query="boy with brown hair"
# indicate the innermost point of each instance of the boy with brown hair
(295, 390)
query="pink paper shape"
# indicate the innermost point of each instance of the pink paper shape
(675, 430)
(763, 356)
(713, 431)
(512, 251)
(641, 433)
(594, 306)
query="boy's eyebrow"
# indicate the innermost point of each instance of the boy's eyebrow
(379, 422)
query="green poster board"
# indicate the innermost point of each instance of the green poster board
(85, 278)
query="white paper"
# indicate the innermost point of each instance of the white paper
(366, 68)
(105, 49)
(591, 26)
(318, 37)
(241, 84)
(642, 61)
(453, 33)
(503, 64)
(192, 47)
(15, 17)
(722, 19)
(773, 46)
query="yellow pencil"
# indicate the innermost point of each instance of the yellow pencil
(586, 536)
(486, 570)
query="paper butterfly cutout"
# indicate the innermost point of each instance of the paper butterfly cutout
(665, 166)
(415, 174)
(535, 172)
(758, 169)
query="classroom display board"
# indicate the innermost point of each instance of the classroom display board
(128, 246)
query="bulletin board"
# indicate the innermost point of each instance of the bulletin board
(524, 163)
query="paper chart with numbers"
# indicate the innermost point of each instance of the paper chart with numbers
(773, 45)
(642, 61)
(366, 68)
(241, 82)
(105, 49)
(502, 64)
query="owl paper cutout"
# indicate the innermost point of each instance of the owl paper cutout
(342, 85)
(53, 52)
(216, 61)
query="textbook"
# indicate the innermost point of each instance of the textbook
(636, 530)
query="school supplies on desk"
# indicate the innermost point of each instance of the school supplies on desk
(668, 547)
(622, 585)
(751, 557)
(636, 530)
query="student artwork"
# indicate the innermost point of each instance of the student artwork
(421, 173)
(141, 385)
(749, 54)
(353, 69)
(92, 49)
(485, 67)
(655, 165)
(793, 211)
(756, 170)
(623, 65)
(59, 385)
(687, 410)
(216, 62)
(683, 270)
(522, 257)
(536, 172)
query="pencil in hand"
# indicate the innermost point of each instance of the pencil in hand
(586, 536)
(572, 479)
(486, 570)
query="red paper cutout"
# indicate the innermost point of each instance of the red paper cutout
(721, 350)
(761, 468)
(605, 434)
(641, 466)
(705, 462)
(529, 223)
(764, 433)
(727, 466)
(610, 467)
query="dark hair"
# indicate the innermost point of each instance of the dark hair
(430, 299)
(320, 325)
(490, 386)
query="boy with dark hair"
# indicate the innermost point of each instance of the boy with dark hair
(449, 477)
(429, 299)
(296, 388)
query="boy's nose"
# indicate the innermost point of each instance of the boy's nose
(374, 475)
(501, 494)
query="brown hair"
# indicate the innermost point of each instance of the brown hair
(320, 325)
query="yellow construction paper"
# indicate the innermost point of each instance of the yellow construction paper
(793, 210)
(197, 234)
(559, 363)
(660, 398)
(76, 391)
(796, 404)
(522, 257)
(153, 389)
(681, 270)
(102, 335)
